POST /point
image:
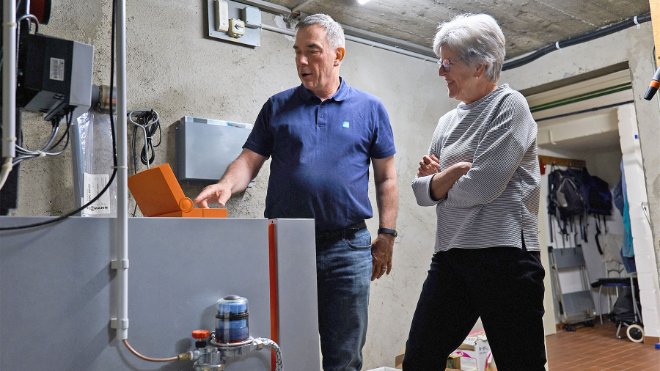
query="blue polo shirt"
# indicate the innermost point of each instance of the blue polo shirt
(321, 152)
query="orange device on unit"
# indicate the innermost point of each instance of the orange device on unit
(158, 193)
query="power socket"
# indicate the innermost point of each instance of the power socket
(236, 28)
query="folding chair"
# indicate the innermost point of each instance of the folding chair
(616, 276)
(614, 270)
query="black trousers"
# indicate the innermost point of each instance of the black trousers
(503, 286)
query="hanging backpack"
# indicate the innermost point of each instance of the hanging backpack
(597, 195)
(565, 199)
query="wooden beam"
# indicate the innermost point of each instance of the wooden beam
(655, 23)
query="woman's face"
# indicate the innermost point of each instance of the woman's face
(462, 79)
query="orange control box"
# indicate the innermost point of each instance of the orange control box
(158, 193)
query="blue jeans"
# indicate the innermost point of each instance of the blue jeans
(503, 285)
(343, 266)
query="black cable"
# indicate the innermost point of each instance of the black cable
(134, 158)
(607, 30)
(149, 122)
(114, 144)
(69, 119)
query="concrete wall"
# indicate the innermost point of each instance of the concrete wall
(173, 69)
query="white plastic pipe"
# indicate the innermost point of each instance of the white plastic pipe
(121, 221)
(8, 88)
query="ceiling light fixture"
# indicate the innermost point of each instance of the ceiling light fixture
(362, 2)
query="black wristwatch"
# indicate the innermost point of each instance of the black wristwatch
(389, 231)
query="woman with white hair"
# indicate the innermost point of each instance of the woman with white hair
(482, 175)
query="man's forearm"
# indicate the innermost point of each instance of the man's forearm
(387, 198)
(242, 170)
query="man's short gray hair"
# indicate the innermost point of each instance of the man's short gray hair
(334, 31)
(477, 38)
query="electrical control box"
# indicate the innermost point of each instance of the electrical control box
(55, 75)
(251, 16)
(234, 22)
(205, 147)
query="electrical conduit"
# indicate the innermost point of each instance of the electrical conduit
(8, 89)
(121, 221)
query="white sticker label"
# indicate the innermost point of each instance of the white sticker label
(57, 69)
(92, 186)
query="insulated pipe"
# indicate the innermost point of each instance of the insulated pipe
(121, 221)
(8, 88)
(604, 31)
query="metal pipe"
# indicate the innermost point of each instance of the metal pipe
(359, 41)
(268, 6)
(351, 33)
(392, 43)
(121, 221)
(8, 88)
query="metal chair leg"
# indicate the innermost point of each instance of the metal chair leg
(600, 311)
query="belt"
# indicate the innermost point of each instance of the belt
(341, 233)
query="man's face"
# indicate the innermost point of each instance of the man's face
(317, 63)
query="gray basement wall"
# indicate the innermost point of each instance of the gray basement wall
(175, 70)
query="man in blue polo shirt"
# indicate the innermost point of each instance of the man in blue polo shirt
(321, 137)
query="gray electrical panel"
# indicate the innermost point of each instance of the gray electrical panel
(205, 147)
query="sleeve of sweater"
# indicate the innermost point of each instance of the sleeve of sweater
(421, 186)
(511, 130)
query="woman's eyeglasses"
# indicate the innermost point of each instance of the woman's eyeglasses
(445, 63)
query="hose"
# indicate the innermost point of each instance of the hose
(607, 30)
(263, 342)
(150, 359)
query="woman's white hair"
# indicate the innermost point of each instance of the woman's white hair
(333, 30)
(477, 38)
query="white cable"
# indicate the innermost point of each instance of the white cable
(6, 169)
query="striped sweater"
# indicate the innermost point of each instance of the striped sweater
(496, 203)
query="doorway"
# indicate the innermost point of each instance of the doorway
(593, 122)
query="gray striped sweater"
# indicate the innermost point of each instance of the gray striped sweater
(497, 201)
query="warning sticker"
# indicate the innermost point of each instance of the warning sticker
(57, 69)
(92, 186)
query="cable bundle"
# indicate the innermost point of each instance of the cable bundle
(149, 123)
(50, 147)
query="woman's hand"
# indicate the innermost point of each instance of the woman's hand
(430, 164)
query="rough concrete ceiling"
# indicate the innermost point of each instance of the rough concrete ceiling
(527, 24)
